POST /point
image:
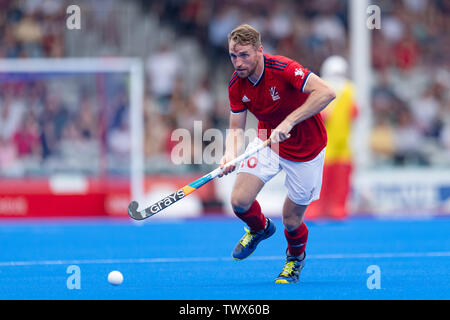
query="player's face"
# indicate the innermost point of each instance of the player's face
(244, 58)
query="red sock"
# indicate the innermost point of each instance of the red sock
(253, 217)
(297, 240)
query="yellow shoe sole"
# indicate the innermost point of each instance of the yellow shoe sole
(281, 281)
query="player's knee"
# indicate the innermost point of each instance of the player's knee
(240, 203)
(291, 222)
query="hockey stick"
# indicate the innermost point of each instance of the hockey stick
(183, 192)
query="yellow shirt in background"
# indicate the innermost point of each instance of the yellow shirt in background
(338, 117)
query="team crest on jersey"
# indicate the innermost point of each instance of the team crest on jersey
(299, 72)
(274, 93)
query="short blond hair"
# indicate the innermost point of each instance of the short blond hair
(244, 35)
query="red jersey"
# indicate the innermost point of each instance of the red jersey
(277, 93)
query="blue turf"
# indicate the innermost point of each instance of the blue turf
(413, 257)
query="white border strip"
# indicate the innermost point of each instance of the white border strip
(31, 65)
(212, 259)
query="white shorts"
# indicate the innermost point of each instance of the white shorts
(303, 179)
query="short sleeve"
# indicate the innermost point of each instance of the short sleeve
(297, 75)
(236, 103)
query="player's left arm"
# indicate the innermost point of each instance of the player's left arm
(320, 95)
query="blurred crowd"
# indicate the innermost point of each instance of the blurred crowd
(411, 96)
(184, 46)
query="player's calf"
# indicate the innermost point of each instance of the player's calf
(297, 239)
(253, 217)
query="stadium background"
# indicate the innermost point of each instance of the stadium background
(65, 145)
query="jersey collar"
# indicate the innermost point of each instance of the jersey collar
(261, 75)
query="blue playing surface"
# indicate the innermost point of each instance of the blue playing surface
(191, 259)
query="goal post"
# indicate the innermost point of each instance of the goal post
(132, 66)
(361, 74)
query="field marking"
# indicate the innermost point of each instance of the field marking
(212, 259)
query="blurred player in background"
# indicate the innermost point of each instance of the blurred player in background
(287, 99)
(338, 118)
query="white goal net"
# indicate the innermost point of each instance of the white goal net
(72, 117)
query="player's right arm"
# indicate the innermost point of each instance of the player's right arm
(235, 140)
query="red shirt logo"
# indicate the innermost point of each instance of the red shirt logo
(274, 94)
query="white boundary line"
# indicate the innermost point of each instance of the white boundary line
(211, 259)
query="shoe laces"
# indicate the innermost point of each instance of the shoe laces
(288, 268)
(247, 238)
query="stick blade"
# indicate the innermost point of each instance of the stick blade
(133, 212)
